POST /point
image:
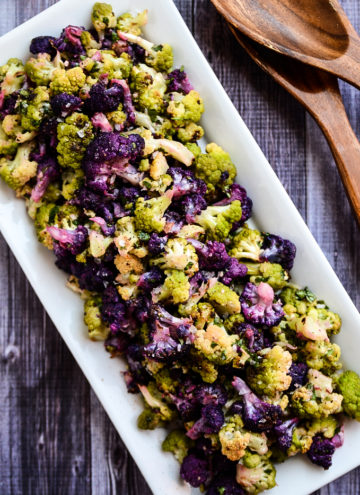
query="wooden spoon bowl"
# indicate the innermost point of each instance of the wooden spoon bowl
(316, 32)
(319, 92)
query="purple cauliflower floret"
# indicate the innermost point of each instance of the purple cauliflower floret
(136, 52)
(115, 312)
(106, 229)
(8, 105)
(212, 255)
(284, 433)
(171, 336)
(257, 415)
(211, 421)
(192, 205)
(69, 41)
(90, 200)
(129, 194)
(157, 243)
(48, 132)
(179, 82)
(117, 344)
(321, 451)
(109, 146)
(236, 192)
(43, 44)
(233, 271)
(225, 484)
(174, 222)
(185, 401)
(47, 172)
(254, 336)
(127, 101)
(103, 99)
(73, 240)
(184, 182)
(151, 279)
(278, 250)
(194, 470)
(298, 373)
(140, 308)
(64, 104)
(136, 373)
(210, 394)
(258, 306)
(92, 276)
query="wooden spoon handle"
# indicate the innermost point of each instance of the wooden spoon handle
(345, 148)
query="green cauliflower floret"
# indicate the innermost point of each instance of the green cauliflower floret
(149, 419)
(44, 217)
(149, 215)
(255, 473)
(74, 135)
(201, 314)
(191, 133)
(316, 399)
(247, 244)
(72, 180)
(40, 69)
(300, 299)
(271, 273)
(35, 108)
(233, 321)
(102, 17)
(12, 76)
(234, 439)
(8, 146)
(92, 319)
(349, 387)
(301, 441)
(149, 88)
(88, 41)
(178, 444)
(126, 238)
(216, 344)
(176, 288)
(321, 355)
(201, 365)
(270, 375)
(324, 426)
(164, 380)
(213, 167)
(67, 81)
(224, 300)
(129, 23)
(160, 185)
(12, 128)
(218, 220)
(185, 108)
(180, 255)
(154, 400)
(116, 67)
(17, 172)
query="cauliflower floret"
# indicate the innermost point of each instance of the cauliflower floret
(159, 166)
(224, 300)
(185, 108)
(149, 88)
(255, 473)
(98, 244)
(40, 69)
(178, 254)
(7, 146)
(247, 244)
(176, 288)
(102, 17)
(74, 135)
(301, 441)
(321, 355)
(128, 263)
(149, 215)
(201, 365)
(349, 386)
(316, 399)
(17, 172)
(67, 81)
(12, 76)
(191, 133)
(126, 239)
(178, 444)
(218, 220)
(271, 273)
(324, 426)
(34, 109)
(12, 128)
(92, 318)
(129, 23)
(159, 185)
(216, 344)
(270, 375)
(72, 180)
(160, 57)
(215, 168)
(115, 67)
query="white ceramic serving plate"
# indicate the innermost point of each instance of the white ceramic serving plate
(274, 212)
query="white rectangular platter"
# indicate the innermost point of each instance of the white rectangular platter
(274, 212)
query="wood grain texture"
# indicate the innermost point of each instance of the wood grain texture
(54, 435)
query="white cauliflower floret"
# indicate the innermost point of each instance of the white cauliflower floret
(159, 166)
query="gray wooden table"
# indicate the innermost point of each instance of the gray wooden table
(55, 437)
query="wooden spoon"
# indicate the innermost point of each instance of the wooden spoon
(316, 32)
(319, 92)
